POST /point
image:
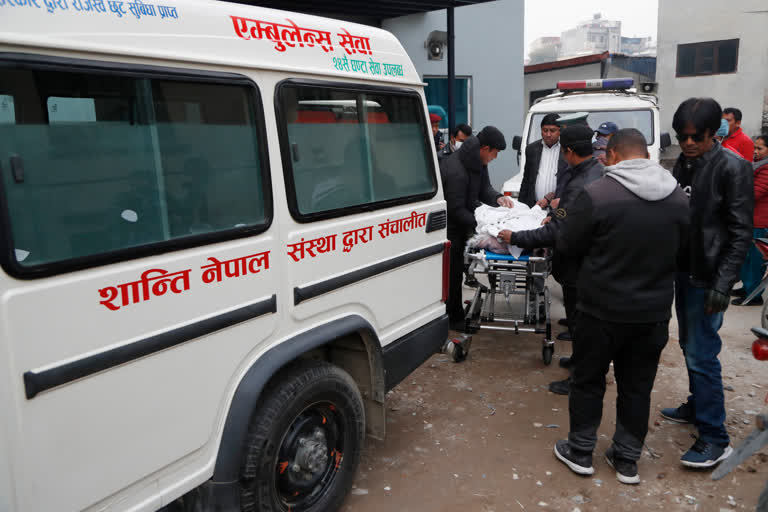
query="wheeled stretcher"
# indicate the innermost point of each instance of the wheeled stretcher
(509, 280)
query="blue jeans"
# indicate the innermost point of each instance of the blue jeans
(752, 269)
(701, 345)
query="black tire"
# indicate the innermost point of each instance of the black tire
(288, 465)
(546, 354)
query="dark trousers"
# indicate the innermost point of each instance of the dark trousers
(570, 299)
(455, 304)
(635, 350)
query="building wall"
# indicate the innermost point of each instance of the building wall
(489, 48)
(690, 21)
(548, 79)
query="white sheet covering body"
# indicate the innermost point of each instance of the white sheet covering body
(491, 221)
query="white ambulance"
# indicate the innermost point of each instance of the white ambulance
(610, 99)
(223, 241)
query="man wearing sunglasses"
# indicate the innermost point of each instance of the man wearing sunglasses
(719, 186)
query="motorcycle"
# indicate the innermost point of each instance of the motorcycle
(762, 246)
(758, 438)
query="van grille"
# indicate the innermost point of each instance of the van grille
(437, 221)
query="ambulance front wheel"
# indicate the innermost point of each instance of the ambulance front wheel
(304, 441)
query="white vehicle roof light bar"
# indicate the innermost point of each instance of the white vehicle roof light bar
(596, 84)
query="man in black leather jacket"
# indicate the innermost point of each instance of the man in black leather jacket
(720, 188)
(583, 169)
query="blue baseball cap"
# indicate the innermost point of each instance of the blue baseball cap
(606, 128)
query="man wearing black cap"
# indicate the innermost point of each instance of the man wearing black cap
(543, 163)
(583, 169)
(465, 185)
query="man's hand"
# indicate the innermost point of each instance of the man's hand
(506, 201)
(715, 302)
(505, 235)
(546, 221)
(542, 203)
(442, 145)
(555, 203)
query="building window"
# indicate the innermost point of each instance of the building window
(437, 94)
(710, 58)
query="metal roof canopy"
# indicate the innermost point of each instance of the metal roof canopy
(383, 9)
(379, 9)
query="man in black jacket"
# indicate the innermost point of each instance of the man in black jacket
(583, 169)
(459, 135)
(540, 174)
(720, 187)
(627, 229)
(465, 185)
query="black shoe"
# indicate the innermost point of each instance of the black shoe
(563, 322)
(757, 301)
(681, 414)
(565, 362)
(579, 463)
(564, 336)
(560, 387)
(738, 292)
(472, 282)
(626, 470)
(705, 455)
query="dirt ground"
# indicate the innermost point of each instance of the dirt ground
(478, 435)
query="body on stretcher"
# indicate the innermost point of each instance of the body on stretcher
(519, 284)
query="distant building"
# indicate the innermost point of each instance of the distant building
(544, 49)
(590, 37)
(633, 46)
(713, 48)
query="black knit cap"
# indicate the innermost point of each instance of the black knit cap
(576, 135)
(492, 137)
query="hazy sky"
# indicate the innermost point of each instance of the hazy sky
(550, 17)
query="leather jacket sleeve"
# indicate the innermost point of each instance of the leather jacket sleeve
(738, 195)
(544, 236)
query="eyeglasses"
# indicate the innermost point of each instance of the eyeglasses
(697, 137)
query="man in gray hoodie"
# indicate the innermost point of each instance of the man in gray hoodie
(628, 227)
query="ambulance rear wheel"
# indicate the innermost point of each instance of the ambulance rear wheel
(304, 442)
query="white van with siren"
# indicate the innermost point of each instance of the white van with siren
(223, 241)
(605, 100)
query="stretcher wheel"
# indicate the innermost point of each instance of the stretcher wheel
(546, 354)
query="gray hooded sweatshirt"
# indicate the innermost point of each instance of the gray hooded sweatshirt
(645, 178)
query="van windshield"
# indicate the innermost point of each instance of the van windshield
(640, 119)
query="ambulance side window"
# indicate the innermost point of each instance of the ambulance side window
(344, 150)
(103, 165)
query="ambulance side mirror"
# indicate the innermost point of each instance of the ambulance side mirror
(517, 142)
(665, 141)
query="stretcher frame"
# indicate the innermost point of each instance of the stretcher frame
(509, 276)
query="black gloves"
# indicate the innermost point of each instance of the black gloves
(716, 302)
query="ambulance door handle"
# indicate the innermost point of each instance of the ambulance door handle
(17, 168)
(295, 152)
